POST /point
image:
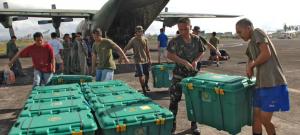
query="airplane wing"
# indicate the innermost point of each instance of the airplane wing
(48, 13)
(193, 15)
(170, 18)
(7, 16)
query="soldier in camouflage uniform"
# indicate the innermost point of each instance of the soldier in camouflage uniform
(185, 50)
(67, 53)
(75, 66)
(82, 54)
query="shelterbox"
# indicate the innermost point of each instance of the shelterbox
(137, 119)
(162, 75)
(220, 101)
(67, 79)
(71, 123)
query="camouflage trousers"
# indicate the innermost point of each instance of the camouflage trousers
(175, 92)
(67, 62)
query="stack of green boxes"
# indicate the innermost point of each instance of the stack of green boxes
(220, 101)
(120, 109)
(59, 109)
(162, 75)
(69, 79)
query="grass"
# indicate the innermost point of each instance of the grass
(20, 43)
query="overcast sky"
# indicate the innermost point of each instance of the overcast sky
(268, 15)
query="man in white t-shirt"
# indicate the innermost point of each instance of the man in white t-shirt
(58, 48)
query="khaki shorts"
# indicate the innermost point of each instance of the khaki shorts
(163, 50)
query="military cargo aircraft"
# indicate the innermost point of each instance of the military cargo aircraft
(117, 18)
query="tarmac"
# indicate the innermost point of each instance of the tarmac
(12, 98)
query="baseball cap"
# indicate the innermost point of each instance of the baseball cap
(139, 28)
(196, 28)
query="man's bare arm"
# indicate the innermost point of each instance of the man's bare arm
(121, 53)
(53, 65)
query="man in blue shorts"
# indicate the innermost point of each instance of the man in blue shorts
(271, 94)
(142, 59)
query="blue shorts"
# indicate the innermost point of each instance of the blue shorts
(141, 69)
(272, 99)
(104, 74)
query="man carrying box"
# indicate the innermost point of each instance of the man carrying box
(185, 50)
(271, 94)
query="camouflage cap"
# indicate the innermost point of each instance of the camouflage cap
(196, 28)
(139, 28)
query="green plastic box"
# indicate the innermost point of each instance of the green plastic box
(96, 85)
(136, 119)
(54, 107)
(104, 91)
(116, 100)
(70, 123)
(56, 88)
(68, 79)
(54, 96)
(221, 101)
(105, 83)
(162, 75)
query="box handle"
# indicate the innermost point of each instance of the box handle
(121, 128)
(82, 81)
(60, 80)
(190, 86)
(77, 133)
(162, 68)
(219, 91)
(160, 121)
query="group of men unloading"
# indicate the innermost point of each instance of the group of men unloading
(185, 50)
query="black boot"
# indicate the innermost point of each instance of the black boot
(144, 89)
(174, 128)
(194, 128)
(147, 87)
